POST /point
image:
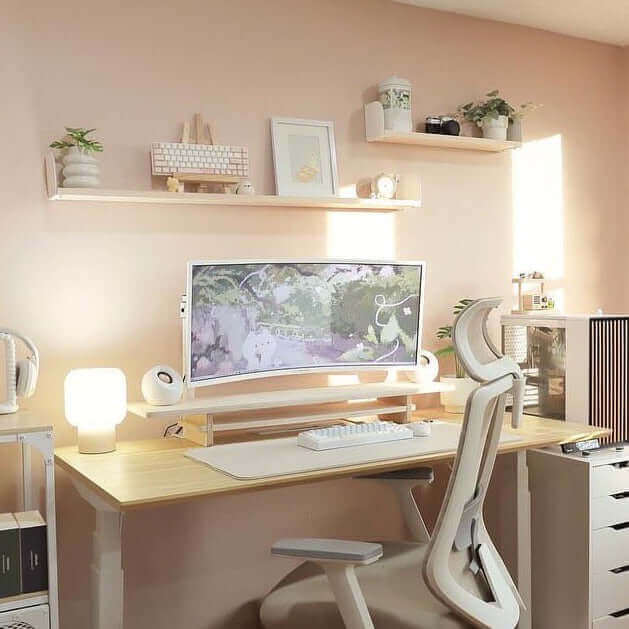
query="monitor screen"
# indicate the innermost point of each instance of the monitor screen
(253, 319)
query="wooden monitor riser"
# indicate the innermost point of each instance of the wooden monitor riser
(290, 409)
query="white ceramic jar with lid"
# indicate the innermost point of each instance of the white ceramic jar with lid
(395, 95)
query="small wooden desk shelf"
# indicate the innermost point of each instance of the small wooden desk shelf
(290, 409)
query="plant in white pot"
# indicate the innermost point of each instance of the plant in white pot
(454, 400)
(491, 115)
(514, 132)
(80, 166)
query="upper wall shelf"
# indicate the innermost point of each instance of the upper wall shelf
(214, 199)
(375, 132)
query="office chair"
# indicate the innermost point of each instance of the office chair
(359, 585)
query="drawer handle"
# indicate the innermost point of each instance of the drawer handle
(621, 464)
(621, 496)
(620, 527)
(620, 570)
(621, 613)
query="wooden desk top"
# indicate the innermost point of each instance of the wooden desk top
(22, 422)
(155, 472)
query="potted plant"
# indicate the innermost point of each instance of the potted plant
(514, 132)
(491, 115)
(454, 400)
(80, 166)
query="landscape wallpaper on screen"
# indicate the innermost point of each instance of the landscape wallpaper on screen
(259, 317)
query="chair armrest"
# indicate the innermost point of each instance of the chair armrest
(323, 550)
(402, 483)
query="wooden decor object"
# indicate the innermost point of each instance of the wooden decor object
(291, 409)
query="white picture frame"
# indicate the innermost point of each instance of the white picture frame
(304, 157)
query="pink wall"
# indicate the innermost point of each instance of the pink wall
(99, 285)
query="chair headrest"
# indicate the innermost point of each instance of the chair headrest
(480, 357)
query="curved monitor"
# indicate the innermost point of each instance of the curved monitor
(250, 319)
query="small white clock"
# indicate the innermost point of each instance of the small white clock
(385, 186)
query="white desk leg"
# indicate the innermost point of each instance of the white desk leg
(524, 538)
(107, 577)
(27, 478)
(44, 442)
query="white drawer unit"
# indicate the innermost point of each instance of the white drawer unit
(580, 539)
(28, 618)
(612, 622)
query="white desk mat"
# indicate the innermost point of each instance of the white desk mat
(279, 457)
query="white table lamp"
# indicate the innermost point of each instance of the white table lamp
(95, 401)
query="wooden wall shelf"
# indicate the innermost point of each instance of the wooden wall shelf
(231, 200)
(56, 193)
(375, 132)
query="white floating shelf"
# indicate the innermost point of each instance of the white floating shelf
(375, 132)
(56, 193)
(231, 200)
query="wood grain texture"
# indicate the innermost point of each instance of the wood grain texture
(145, 473)
(22, 422)
(296, 398)
(231, 200)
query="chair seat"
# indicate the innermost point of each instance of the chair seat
(393, 587)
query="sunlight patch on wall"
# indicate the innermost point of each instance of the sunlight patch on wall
(538, 213)
(365, 235)
(359, 235)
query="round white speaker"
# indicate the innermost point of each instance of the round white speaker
(427, 370)
(162, 386)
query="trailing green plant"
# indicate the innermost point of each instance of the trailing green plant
(78, 137)
(524, 110)
(493, 107)
(445, 332)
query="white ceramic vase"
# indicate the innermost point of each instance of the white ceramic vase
(514, 132)
(454, 401)
(495, 128)
(80, 169)
(395, 95)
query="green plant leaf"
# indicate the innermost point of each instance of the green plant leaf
(445, 351)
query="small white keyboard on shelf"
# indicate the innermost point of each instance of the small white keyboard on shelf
(353, 435)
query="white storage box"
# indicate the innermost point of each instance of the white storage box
(26, 618)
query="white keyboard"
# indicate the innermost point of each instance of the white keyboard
(352, 435)
(170, 158)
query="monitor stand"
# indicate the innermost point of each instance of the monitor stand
(248, 415)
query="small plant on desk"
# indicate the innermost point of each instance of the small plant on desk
(454, 401)
(445, 332)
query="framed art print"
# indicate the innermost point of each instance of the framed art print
(304, 156)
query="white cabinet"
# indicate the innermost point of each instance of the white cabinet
(580, 539)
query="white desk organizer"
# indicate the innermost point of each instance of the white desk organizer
(290, 409)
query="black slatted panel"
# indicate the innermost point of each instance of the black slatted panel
(609, 370)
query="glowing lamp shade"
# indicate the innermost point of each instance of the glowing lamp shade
(95, 401)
